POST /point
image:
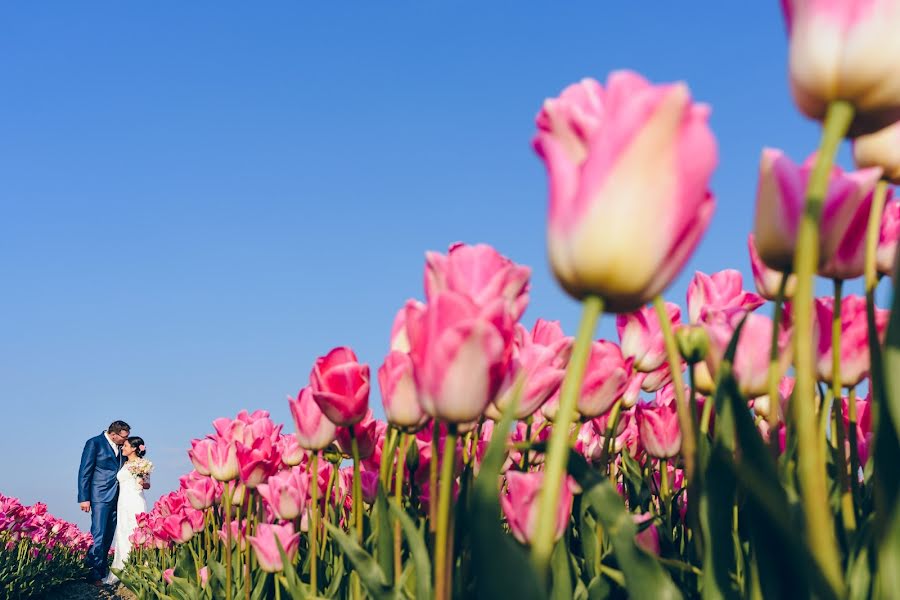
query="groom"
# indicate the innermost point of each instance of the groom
(98, 491)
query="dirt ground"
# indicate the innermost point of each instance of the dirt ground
(84, 591)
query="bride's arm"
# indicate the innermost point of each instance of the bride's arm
(146, 483)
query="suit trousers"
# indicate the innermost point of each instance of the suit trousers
(103, 527)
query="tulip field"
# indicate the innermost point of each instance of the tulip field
(37, 550)
(742, 441)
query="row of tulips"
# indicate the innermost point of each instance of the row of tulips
(711, 452)
(37, 550)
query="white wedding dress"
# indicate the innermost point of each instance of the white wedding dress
(131, 504)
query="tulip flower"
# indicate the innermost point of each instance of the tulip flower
(257, 461)
(880, 149)
(632, 392)
(201, 491)
(520, 504)
(238, 533)
(845, 50)
(285, 493)
(864, 432)
(854, 338)
(751, 359)
(658, 427)
(780, 200)
(199, 455)
(314, 430)
(265, 545)
(178, 527)
(641, 336)
(460, 352)
(481, 273)
(290, 450)
(629, 167)
(223, 462)
(606, 378)
(367, 432)
(887, 240)
(539, 360)
(340, 386)
(648, 537)
(661, 377)
(768, 280)
(399, 339)
(719, 294)
(168, 574)
(398, 392)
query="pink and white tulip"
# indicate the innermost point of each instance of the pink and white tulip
(314, 430)
(265, 545)
(629, 168)
(854, 338)
(606, 378)
(719, 296)
(886, 253)
(641, 336)
(399, 396)
(520, 504)
(751, 358)
(340, 386)
(658, 428)
(768, 281)
(880, 149)
(285, 493)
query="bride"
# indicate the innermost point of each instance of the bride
(133, 478)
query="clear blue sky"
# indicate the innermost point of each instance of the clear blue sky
(199, 198)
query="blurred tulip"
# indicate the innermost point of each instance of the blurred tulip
(285, 493)
(845, 50)
(641, 336)
(520, 504)
(629, 167)
(366, 433)
(658, 427)
(201, 491)
(606, 378)
(265, 545)
(290, 450)
(887, 239)
(647, 538)
(398, 392)
(199, 455)
(314, 430)
(721, 293)
(751, 359)
(864, 432)
(223, 462)
(854, 338)
(768, 280)
(880, 149)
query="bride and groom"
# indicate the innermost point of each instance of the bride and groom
(109, 489)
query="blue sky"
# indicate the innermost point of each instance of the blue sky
(200, 198)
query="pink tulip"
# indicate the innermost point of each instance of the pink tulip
(481, 273)
(368, 482)
(201, 491)
(887, 239)
(845, 50)
(864, 432)
(178, 527)
(520, 504)
(238, 534)
(658, 379)
(314, 430)
(751, 359)
(632, 392)
(257, 461)
(647, 538)
(340, 386)
(292, 453)
(781, 196)
(768, 280)
(606, 378)
(880, 149)
(399, 339)
(204, 576)
(642, 338)
(168, 574)
(285, 493)
(538, 365)
(398, 392)
(265, 545)
(366, 432)
(854, 338)
(223, 462)
(460, 352)
(722, 294)
(629, 168)
(199, 455)
(658, 427)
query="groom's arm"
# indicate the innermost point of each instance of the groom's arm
(86, 474)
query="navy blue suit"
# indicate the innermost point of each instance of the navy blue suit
(97, 484)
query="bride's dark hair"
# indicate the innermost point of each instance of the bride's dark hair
(138, 444)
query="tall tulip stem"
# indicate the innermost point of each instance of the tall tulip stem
(226, 519)
(357, 509)
(876, 380)
(558, 446)
(848, 514)
(314, 529)
(811, 452)
(442, 573)
(775, 370)
(685, 418)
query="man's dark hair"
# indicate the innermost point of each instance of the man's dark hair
(118, 427)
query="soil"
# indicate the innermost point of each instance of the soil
(82, 590)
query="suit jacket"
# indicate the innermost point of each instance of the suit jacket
(97, 473)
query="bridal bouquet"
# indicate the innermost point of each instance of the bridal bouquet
(140, 468)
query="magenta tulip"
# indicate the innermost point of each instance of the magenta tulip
(880, 149)
(854, 338)
(398, 392)
(781, 196)
(399, 339)
(520, 504)
(768, 280)
(845, 50)
(606, 378)
(658, 427)
(340, 386)
(751, 359)
(199, 455)
(257, 461)
(887, 239)
(864, 432)
(223, 462)
(460, 352)
(285, 493)
(629, 167)
(719, 296)
(265, 545)
(641, 336)
(481, 273)
(648, 537)
(292, 453)
(178, 527)
(367, 433)
(201, 491)
(314, 430)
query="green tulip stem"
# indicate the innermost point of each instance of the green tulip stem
(442, 573)
(405, 440)
(873, 230)
(685, 419)
(854, 449)
(775, 369)
(558, 446)
(314, 529)
(663, 484)
(226, 520)
(356, 514)
(433, 475)
(612, 422)
(848, 514)
(810, 449)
